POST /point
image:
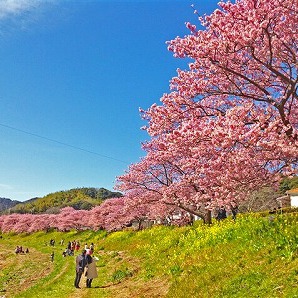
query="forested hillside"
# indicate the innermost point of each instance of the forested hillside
(7, 203)
(79, 198)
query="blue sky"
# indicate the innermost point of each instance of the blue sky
(73, 75)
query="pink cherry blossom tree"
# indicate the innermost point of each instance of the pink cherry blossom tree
(40, 222)
(23, 224)
(229, 126)
(113, 213)
(9, 222)
(69, 218)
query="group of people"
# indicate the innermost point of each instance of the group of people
(72, 246)
(222, 213)
(86, 264)
(19, 250)
(274, 210)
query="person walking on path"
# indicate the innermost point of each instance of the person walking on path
(81, 262)
(91, 270)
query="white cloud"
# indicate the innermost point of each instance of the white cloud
(23, 14)
(13, 8)
(5, 187)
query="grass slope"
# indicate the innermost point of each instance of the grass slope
(252, 257)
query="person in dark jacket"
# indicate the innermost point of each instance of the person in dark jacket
(81, 262)
(222, 214)
(235, 211)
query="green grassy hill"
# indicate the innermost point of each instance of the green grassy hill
(255, 256)
(78, 198)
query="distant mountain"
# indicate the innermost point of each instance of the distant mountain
(7, 203)
(79, 198)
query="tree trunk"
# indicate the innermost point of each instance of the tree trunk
(207, 218)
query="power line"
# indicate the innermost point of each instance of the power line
(62, 143)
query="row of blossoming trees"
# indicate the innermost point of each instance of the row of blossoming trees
(113, 214)
(106, 216)
(229, 125)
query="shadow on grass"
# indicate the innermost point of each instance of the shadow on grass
(107, 286)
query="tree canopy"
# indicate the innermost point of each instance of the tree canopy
(229, 125)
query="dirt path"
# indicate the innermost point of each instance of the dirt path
(18, 272)
(132, 285)
(126, 289)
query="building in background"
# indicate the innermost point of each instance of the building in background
(293, 195)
